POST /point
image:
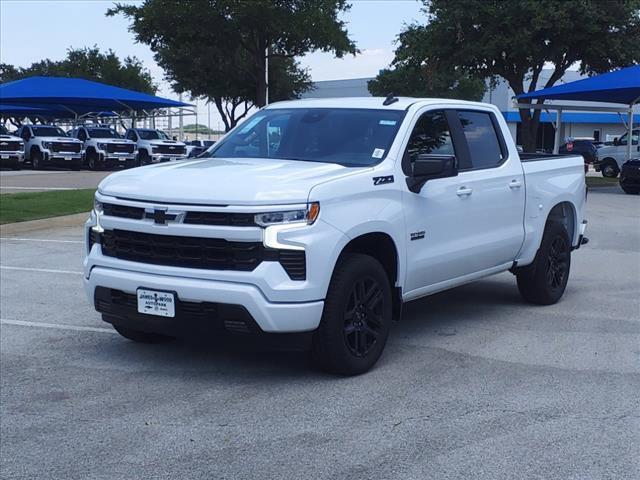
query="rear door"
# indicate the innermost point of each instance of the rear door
(493, 191)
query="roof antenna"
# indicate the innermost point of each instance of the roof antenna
(389, 100)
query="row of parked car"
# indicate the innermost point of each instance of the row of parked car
(95, 147)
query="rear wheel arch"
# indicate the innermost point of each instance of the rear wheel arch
(564, 213)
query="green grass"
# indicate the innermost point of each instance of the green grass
(602, 182)
(20, 207)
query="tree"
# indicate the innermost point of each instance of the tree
(517, 39)
(422, 81)
(90, 64)
(216, 48)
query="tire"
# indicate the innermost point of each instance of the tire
(36, 159)
(609, 168)
(630, 190)
(143, 158)
(141, 337)
(93, 162)
(353, 330)
(544, 281)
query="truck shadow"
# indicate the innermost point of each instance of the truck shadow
(227, 358)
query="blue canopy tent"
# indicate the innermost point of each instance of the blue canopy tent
(621, 86)
(45, 111)
(78, 96)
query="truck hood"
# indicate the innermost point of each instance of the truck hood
(12, 138)
(224, 181)
(165, 142)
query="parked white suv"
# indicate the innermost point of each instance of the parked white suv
(11, 150)
(104, 147)
(611, 157)
(46, 145)
(155, 146)
(325, 216)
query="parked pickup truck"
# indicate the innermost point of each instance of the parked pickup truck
(104, 147)
(154, 146)
(11, 149)
(325, 216)
(611, 157)
(46, 145)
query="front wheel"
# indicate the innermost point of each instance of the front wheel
(610, 169)
(544, 281)
(356, 319)
(93, 162)
(36, 159)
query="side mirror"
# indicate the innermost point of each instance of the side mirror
(616, 141)
(428, 167)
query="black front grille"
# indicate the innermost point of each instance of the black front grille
(120, 147)
(169, 149)
(66, 147)
(123, 211)
(10, 146)
(190, 252)
(198, 252)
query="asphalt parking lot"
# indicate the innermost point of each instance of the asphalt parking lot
(474, 383)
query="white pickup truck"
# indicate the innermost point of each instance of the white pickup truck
(46, 145)
(611, 157)
(155, 146)
(11, 150)
(325, 216)
(104, 147)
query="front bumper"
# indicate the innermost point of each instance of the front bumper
(227, 296)
(11, 157)
(62, 157)
(159, 157)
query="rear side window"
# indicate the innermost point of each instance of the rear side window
(484, 144)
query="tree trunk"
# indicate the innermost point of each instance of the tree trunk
(261, 84)
(528, 131)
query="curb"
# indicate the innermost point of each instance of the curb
(75, 220)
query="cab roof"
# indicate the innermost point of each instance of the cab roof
(402, 103)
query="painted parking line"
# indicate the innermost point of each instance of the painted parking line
(58, 326)
(43, 270)
(46, 240)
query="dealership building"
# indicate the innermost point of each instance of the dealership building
(602, 126)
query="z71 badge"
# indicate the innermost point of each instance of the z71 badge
(382, 180)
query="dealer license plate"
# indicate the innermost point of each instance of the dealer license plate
(67, 159)
(154, 302)
(5, 157)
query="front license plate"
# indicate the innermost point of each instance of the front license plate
(5, 157)
(67, 159)
(154, 302)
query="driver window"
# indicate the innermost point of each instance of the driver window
(430, 136)
(26, 134)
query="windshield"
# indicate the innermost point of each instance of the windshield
(152, 135)
(103, 133)
(634, 137)
(48, 132)
(351, 137)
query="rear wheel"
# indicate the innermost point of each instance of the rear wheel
(141, 337)
(544, 281)
(609, 168)
(356, 319)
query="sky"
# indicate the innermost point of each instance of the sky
(32, 30)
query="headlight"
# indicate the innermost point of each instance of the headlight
(97, 206)
(102, 146)
(46, 145)
(304, 215)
